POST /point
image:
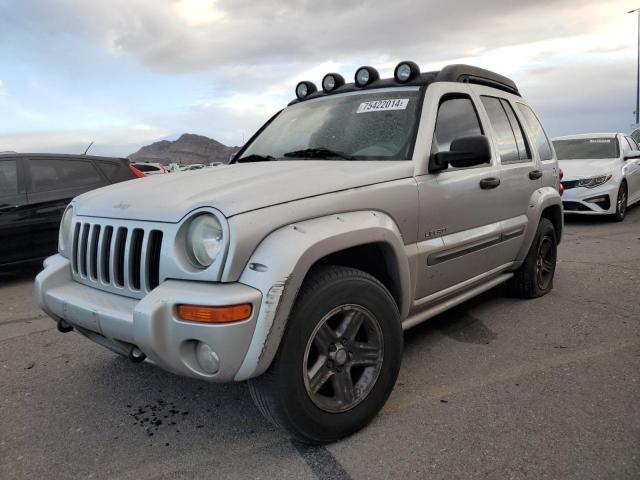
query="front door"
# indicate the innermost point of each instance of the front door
(459, 220)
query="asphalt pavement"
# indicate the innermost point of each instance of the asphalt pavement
(497, 388)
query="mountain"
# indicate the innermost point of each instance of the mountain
(187, 149)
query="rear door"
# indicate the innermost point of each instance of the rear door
(52, 182)
(539, 143)
(14, 218)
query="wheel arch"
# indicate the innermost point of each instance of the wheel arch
(349, 239)
(544, 203)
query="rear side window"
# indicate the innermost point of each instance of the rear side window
(115, 171)
(457, 118)
(146, 168)
(632, 143)
(57, 174)
(502, 130)
(538, 137)
(8, 178)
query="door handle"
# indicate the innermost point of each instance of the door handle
(535, 174)
(490, 182)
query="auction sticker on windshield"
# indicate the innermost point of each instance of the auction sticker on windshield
(382, 105)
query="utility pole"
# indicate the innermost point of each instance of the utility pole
(637, 71)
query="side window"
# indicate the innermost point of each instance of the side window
(57, 174)
(457, 118)
(539, 138)
(521, 141)
(8, 178)
(626, 146)
(507, 146)
(632, 143)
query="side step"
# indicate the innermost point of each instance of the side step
(437, 309)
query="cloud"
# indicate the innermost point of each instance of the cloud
(207, 35)
(3, 90)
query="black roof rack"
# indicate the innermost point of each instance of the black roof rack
(479, 76)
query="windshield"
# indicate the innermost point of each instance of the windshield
(584, 148)
(370, 125)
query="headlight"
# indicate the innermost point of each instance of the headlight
(592, 182)
(204, 240)
(65, 229)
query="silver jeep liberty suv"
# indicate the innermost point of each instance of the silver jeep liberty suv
(354, 213)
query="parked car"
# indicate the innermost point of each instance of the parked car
(601, 173)
(34, 192)
(149, 168)
(636, 135)
(353, 214)
(193, 166)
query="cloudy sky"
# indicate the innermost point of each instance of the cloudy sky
(124, 73)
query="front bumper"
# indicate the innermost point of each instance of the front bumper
(591, 201)
(150, 324)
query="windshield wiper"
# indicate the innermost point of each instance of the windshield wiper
(318, 152)
(254, 158)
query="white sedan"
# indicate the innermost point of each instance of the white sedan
(601, 173)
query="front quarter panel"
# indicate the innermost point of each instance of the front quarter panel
(280, 263)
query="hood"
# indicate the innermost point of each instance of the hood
(575, 169)
(234, 189)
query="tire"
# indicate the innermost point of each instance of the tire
(288, 395)
(621, 203)
(534, 278)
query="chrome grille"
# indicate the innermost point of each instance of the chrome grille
(118, 258)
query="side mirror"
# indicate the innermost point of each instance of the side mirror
(464, 152)
(632, 154)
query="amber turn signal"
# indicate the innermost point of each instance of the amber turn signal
(206, 314)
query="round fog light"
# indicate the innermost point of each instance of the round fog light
(207, 358)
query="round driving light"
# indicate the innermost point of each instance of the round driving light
(304, 89)
(204, 240)
(366, 75)
(65, 229)
(331, 81)
(207, 358)
(406, 71)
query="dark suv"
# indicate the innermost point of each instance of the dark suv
(34, 191)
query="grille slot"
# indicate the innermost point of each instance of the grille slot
(121, 240)
(105, 254)
(93, 252)
(74, 256)
(153, 260)
(82, 250)
(116, 258)
(136, 258)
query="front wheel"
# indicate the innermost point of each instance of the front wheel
(534, 278)
(621, 203)
(338, 359)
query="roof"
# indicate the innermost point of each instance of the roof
(587, 135)
(57, 155)
(451, 73)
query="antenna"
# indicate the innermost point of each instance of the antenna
(85, 152)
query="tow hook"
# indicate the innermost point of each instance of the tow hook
(136, 355)
(63, 326)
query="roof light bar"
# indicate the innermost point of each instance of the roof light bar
(406, 71)
(331, 81)
(304, 89)
(366, 75)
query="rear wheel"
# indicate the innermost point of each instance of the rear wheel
(621, 203)
(338, 359)
(534, 278)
